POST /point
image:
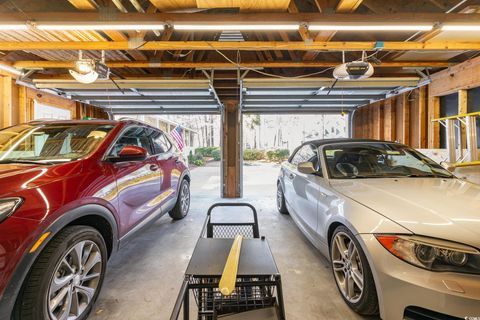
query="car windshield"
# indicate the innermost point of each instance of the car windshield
(379, 160)
(49, 143)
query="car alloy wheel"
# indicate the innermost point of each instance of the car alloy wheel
(75, 281)
(185, 199)
(279, 198)
(347, 267)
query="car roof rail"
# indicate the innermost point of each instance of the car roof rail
(43, 120)
(138, 121)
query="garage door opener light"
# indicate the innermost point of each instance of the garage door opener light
(459, 27)
(93, 27)
(372, 27)
(13, 27)
(235, 27)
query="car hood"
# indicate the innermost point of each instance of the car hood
(441, 208)
(15, 177)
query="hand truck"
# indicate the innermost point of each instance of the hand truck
(257, 292)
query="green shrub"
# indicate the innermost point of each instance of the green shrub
(278, 155)
(206, 151)
(196, 159)
(198, 162)
(216, 154)
(253, 154)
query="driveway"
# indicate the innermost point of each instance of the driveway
(143, 279)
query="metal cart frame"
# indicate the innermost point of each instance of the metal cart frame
(252, 291)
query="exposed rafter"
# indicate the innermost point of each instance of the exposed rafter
(243, 46)
(225, 65)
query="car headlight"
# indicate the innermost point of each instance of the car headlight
(8, 207)
(432, 254)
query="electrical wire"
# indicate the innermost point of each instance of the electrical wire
(266, 73)
(180, 55)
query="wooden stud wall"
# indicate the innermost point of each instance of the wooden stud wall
(400, 118)
(17, 103)
(459, 79)
(406, 118)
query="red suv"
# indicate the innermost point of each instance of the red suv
(72, 193)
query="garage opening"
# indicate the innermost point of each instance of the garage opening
(269, 139)
(239, 85)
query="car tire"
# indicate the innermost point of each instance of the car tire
(281, 205)
(59, 269)
(183, 202)
(352, 267)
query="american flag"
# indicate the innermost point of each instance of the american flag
(177, 135)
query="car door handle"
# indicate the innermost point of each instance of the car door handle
(177, 160)
(153, 167)
(323, 195)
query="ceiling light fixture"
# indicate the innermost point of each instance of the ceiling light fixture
(93, 27)
(13, 27)
(459, 27)
(333, 27)
(236, 27)
(10, 69)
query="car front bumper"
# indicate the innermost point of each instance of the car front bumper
(401, 285)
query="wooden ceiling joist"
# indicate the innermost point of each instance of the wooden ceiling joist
(343, 6)
(226, 65)
(95, 17)
(84, 4)
(244, 46)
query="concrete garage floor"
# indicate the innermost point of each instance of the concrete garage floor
(144, 278)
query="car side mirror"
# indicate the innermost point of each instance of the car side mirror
(130, 153)
(306, 167)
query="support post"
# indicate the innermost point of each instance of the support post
(231, 150)
(471, 133)
(6, 108)
(462, 109)
(433, 126)
(451, 148)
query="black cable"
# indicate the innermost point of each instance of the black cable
(333, 85)
(116, 84)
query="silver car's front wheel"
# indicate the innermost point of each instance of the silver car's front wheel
(352, 272)
(347, 267)
(281, 205)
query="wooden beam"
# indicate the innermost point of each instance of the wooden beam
(84, 4)
(95, 17)
(378, 123)
(422, 116)
(433, 127)
(389, 119)
(403, 118)
(465, 75)
(343, 6)
(234, 45)
(348, 6)
(220, 65)
(6, 107)
(232, 150)
(23, 112)
(463, 109)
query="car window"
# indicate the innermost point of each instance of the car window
(51, 142)
(307, 153)
(379, 160)
(161, 144)
(133, 136)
